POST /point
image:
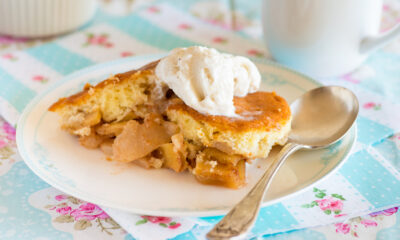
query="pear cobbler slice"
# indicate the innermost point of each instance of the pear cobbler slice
(135, 117)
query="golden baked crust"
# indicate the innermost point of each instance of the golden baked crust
(265, 121)
(259, 111)
(85, 94)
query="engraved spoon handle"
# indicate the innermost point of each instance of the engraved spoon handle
(241, 218)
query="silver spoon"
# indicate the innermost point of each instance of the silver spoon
(320, 118)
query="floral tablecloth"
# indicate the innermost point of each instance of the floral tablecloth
(42, 212)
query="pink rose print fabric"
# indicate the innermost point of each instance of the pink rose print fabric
(372, 106)
(40, 78)
(387, 212)
(10, 57)
(165, 222)
(342, 228)
(7, 141)
(329, 204)
(357, 224)
(101, 40)
(82, 214)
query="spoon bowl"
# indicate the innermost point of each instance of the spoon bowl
(321, 117)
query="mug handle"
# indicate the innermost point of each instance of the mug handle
(369, 44)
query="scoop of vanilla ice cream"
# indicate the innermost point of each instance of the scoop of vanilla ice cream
(207, 80)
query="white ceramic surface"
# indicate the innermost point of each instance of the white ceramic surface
(42, 18)
(58, 159)
(323, 38)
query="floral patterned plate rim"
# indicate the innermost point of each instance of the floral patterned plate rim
(58, 159)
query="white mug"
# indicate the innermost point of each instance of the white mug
(323, 38)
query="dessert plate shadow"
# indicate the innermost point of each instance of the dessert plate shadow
(57, 158)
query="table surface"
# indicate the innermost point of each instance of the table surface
(53, 203)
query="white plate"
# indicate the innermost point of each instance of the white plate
(58, 159)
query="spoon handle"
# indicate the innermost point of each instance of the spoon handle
(241, 218)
